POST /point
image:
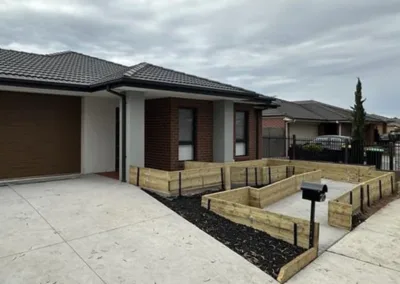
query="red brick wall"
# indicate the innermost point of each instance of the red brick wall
(273, 122)
(204, 127)
(162, 132)
(254, 115)
(157, 134)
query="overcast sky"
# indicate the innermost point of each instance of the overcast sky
(295, 50)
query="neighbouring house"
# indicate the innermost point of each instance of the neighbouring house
(393, 125)
(308, 119)
(72, 113)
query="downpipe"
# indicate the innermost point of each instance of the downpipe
(123, 132)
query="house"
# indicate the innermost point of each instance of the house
(68, 112)
(308, 119)
(393, 124)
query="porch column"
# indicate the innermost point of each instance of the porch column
(339, 129)
(135, 119)
(223, 131)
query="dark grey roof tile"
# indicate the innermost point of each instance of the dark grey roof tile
(68, 67)
(79, 69)
(292, 110)
(149, 72)
(314, 110)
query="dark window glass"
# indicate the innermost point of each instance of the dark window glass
(186, 122)
(241, 132)
(186, 134)
(240, 126)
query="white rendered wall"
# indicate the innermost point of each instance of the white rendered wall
(304, 131)
(98, 134)
(223, 131)
(135, 119)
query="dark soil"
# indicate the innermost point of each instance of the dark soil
(259, 248)
(369, 211)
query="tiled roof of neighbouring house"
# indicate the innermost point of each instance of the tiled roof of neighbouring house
(314, 110)
(82, 70)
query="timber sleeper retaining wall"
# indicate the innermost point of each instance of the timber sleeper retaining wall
(195, 180)
(338, 172)
(362, 196)
(244, 206)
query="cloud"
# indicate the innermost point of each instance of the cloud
(311, 49)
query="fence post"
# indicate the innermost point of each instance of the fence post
(222, 179)
(138, 176)
(346, 152)
(362, 199)
(247, 176)
(180, 184)
(391, 148)
(294, 147)
(256, 176)
(391, 184)
(269, 175)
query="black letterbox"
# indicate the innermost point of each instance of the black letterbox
(314, 191)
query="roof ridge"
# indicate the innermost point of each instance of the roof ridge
(20, 51)
(82, 54)
(334, 109)
(58, 53)
(135, 68)
(201, 78)
(309, 110)
(331, 108)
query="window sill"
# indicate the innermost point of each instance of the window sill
(242, 158)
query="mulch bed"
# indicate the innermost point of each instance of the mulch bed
(369, 211)
(259, 248)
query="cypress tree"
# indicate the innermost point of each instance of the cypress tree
(358, 115)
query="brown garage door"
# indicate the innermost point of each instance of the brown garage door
(39, 135)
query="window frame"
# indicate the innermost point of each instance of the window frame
(246, 133)
(193, 134)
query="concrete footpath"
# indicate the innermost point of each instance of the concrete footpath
(369, 254)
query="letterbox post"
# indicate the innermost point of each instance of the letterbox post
(314, 192)
(312, 224)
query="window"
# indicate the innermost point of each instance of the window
(186, 134)
(241, 131)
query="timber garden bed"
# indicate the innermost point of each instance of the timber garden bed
(278, 244)
(360, 217)
(258, 247)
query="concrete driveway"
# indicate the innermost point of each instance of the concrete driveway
(97, 230)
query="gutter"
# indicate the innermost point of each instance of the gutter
(123, 133)
(265, 102)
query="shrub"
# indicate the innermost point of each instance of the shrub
(313, 147)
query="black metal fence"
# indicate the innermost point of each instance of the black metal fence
(384, 155)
